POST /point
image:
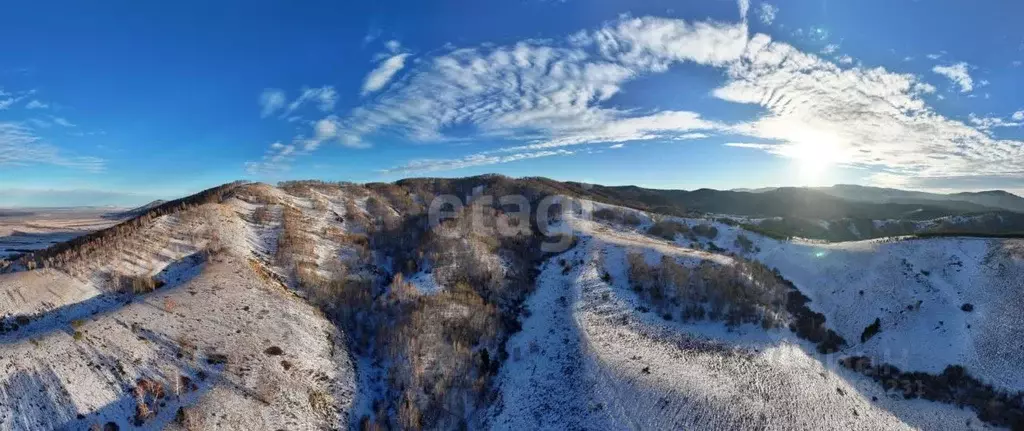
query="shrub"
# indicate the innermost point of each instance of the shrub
(137, 284)
(668, 229)
(953, 386)
(744, 243)
(188, 419)
(706, 230)
(148, 394)
(871, 330)
(617, 215)
(746, 292)
(262, 215)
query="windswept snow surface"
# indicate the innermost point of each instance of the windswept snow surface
(51, 378)
(259, 356)
(917, 288)
(588, 358)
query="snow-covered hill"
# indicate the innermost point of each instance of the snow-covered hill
(592, 355)
(324, 306)
(918, 288)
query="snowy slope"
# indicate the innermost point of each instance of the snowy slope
(230, 347)
(917, 289)
(587, 358)
(49, 376)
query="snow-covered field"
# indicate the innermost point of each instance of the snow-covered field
(588, 357)
(33, 229)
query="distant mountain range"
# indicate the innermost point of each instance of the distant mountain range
(134, 212)
(994, 199)
(964, 201)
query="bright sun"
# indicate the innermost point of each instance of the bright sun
(814, 160)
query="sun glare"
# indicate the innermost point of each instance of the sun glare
(814, 159)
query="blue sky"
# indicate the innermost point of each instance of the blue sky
(124, 102)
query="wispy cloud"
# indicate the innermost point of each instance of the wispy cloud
(986, 123)
(958, 73)
(432, 165)
(393, 46)
(754, 146)
(21, 146)
(271, 100)
(275, 160)
(275, 101)
(870, 118)
(61, 121)
(552, 97)
(324, 97)
(36, 104)
(371, 35)
(767, 13)
(382, 74)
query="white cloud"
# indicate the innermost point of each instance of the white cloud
(1016, 63)
(431, 165)
(767, 13)
(924, 88)
(35, 104)
(382, 74)
(986, 123)
(983, 82)
(958, 74)
(274, 101)
(869, 118)
(62, 122)
(934, 56)
(271, 100)
(548, 96)
(7, 103)
(394, 46)
(766, 147)
(545, 92)
(1018, 116)
(744, 7)
(661, 125)
(371, 35)
(20, 146)
(617, 146)
(534, 89)
(830, 49)
(325, 97)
